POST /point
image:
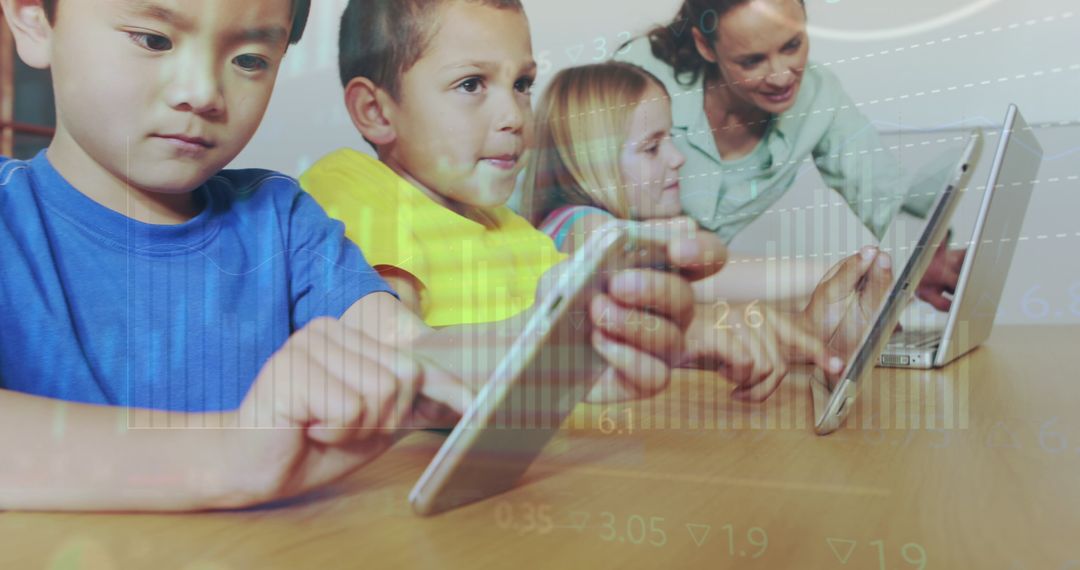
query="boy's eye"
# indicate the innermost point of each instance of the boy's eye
(471, 85)
(793, 46)
(152, 42)
(249, 62)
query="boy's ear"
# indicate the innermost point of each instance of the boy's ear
(370, 109)
(704, 47)
(31, 29)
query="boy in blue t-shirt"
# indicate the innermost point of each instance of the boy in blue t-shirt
(145, 286)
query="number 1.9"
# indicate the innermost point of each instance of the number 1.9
(912, 553)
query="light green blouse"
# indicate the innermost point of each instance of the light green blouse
(824, 127)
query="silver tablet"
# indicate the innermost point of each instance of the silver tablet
(549, 370)
(832, 404)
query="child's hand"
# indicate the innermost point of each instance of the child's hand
(640, 323)
(695, 254)
(753, 345)
(846, 301)
(328, 402)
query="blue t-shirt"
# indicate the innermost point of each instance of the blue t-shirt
(98, 308)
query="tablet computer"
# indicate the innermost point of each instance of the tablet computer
(549, 369)
(832, 404)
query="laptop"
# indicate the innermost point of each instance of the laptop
(834, 402)
(985, 267)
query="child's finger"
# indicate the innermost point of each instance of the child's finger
(278, 396)
(763, 364)
(723, 353)
(761, 391)
(801, 346)
(390, 394)
(738, 362)
(326, 464)
(366, 369)
(656, 291)
(376, 371)
(428, 413)
(639, 329)
(699, 255)
(633, 374)
(356, 406)
(445, 389)
(769, 370)
(337, 417)
(355, 343)
(401, 409)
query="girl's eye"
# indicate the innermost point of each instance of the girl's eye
(524, 85)
(749, 63)
(471, 85)
(249, 62)
(793, 46)
(652, 149)
(151, 42)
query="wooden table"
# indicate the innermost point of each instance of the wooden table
(982, 472)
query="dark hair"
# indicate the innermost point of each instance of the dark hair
(382, 39)
(674, 43)
(301, 10)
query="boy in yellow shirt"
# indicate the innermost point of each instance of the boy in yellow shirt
(451, 268)
(442, 91)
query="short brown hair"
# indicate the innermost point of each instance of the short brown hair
(382, 39)
(301, 10)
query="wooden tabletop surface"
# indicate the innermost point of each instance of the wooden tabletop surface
(973, 466)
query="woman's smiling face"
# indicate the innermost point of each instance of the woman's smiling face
(761, 50)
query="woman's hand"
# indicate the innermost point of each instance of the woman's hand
(941, 277)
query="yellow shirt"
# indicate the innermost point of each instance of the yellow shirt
(469, 272)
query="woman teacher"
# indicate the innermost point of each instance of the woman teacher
(748, 112)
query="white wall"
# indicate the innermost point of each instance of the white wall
(945, 64)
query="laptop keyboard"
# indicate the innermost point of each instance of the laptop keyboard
(916, 339)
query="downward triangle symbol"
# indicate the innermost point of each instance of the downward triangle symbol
(1000, 436)
(577, 318)
(574, 52)
(698, 532)
(844, 544)
(682, 28)
(580, 519)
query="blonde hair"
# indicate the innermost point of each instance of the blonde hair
(581, 127)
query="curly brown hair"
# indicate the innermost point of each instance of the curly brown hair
(674, 43)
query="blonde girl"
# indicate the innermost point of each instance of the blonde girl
(603, 150)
